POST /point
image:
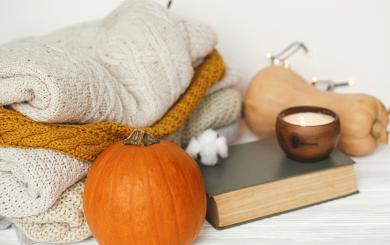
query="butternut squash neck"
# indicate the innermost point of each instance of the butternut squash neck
(378, 129)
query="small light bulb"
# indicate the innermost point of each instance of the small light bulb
(276, 61)
(286, 64)
(351, 82)
(314, 79)
(268, 55)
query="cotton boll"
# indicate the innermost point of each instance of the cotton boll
(193, 148)
(207, 147)
(208, 137)
(222, 147)
(209, 154)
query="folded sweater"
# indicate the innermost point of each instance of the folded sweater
(231, 79)
(86, 141)
(217, 110)
(129, 68)
(31, 180)
(64, 222)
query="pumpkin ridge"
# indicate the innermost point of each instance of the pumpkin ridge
(155, 218)
(183, 172)
(144, 196)
(158, 157)
(111, 170)
(95, 209)
(110, 155)
(91, 195)
(131, 154)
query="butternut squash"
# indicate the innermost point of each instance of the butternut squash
(363, 118)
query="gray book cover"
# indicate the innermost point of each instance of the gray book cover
(260, 162)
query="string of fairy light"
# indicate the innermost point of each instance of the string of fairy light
(282, 59)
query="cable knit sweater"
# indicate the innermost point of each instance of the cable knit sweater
(39, 176)
(31, 180)
(64, 222)
(85, 142)
(129, 68)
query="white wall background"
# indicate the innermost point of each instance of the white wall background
(348, 39)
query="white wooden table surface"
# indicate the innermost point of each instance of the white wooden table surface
(359, 219)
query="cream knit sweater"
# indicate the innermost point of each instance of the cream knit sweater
(61, 223)
(64, 221)
(217, 110)
(31, 180)
(129, 67)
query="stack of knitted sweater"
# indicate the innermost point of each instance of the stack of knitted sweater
(68, 95)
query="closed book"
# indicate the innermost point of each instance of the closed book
(258, 180)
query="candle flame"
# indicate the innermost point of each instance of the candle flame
(302, 121)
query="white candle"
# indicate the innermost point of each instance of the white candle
(308, 119)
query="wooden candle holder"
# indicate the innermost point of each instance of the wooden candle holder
(307, 143)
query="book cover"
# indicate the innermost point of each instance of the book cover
(263, 162)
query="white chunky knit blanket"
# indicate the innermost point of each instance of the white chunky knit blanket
(129, 67)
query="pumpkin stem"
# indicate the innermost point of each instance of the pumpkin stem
(380, 133)
(140, 138)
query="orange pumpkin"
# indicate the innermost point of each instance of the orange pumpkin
(144, 192)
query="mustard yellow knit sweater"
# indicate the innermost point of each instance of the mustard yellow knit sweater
(86, 141)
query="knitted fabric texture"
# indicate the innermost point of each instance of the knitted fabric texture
(63, 222)
(46, 172)
(56, 223)
(31, 180)
(85, 142)
(206, 116)
(231, 79)
(217, 110)
(129, 68)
